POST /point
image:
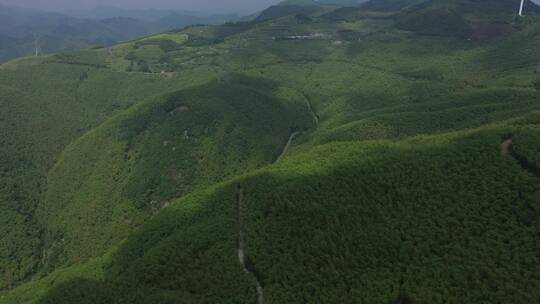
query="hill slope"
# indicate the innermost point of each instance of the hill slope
(477, 19)
(37, 123)
(390, 182)
(156, 153)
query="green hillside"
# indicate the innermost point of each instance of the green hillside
(368, 154)
(156, 153)
(37, 123)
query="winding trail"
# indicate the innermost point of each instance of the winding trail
(244, 261)
(310, 109)
(287, 146)
(506, 149)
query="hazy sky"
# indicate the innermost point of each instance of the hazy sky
(194, 5)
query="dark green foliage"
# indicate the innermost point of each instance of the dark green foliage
(286, 10)
(460, 18)
(120, 168)
(163, 264)
(80, 291)
(29, 143)
(300, 52)
(232, 28)
(227, 122)
(526, 148)
(303, 18)
(435, 21)
(469, 7)
(158, 152)
(513, 52)
(394, 213)
(342, 2)
(343, 14)
(390, 5)
(195, 41)
(55, 104)
(166, 45)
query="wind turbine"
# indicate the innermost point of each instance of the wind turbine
(521, 7)
(36, 45)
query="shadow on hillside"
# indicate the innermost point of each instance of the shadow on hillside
(364, 221)
(82, 291)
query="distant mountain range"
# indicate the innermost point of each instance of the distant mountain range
(27, 31)
(153, 15)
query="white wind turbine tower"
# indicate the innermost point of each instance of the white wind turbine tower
(521, 7)
(36, 45)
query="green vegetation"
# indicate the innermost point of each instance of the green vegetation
(121, 167)
(526, 149)
(156, 153)
(436, 21)
(37, 124)
(178, 38)
(395, 214)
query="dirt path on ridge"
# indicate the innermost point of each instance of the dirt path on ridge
(287, 146)
(310, 109)
(244, 261)
(506, 149)
(247, 266)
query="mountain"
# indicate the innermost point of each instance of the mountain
(305, 7)
(474, 19)
(151, 15)
(323, 2)
(107, 12)
(480, 6)
(339, 154)
(24, 30)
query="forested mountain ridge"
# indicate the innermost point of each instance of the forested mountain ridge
(358, 158)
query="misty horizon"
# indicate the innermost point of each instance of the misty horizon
(209, 6)
(201, 6)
